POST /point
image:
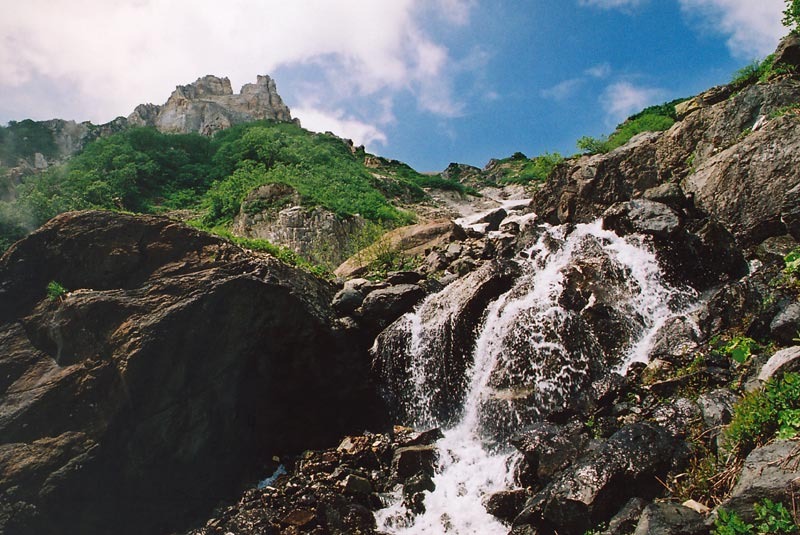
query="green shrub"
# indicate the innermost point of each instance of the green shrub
(651, 119)
(773, 518)
(55, 291)
(729, 523)
(763, 412)
(792, 263)
(791, 15)
(536, 169)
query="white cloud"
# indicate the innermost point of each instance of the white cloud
(563, 90)
(612, 4)
(109, 56)
(602, 70)
(753, 27)
(622, 99)
(338, 122)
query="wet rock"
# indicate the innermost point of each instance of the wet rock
(642, 216)
(354, 484)
(493, 219)
(678, 416)
(410, 460)
(624, 522)
(599, 484)
(668, 193)
(769, 472)
(670, 519)
(675, 341)
(383, 306)
(716, 408)
(785, 326)
(403, 277)
(547, 450)
(506, 505)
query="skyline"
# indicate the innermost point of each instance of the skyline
(422, 82)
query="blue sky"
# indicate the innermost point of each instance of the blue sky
(426, 82)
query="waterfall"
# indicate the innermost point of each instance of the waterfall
(587, 303)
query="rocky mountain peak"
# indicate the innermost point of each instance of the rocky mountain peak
(209, 104)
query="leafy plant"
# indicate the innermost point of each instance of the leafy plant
(792, 263)
(791, 15)
(740, 348)
(729, 523)
(55, 291)
(759, 414)
(773, 518)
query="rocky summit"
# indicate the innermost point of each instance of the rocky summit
(611, 349)
(209, 105)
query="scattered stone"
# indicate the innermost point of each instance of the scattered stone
(410, 460)
(786, 325)
(386, 305)
(670, 519)
(598, 485)
(785, 360)
(354, 484)
(624, 522)
(347, 300)
(403, 277)
(299, 518)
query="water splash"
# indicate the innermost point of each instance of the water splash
(535, 350)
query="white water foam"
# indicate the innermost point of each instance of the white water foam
(524, 362)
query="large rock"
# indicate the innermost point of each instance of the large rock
(785, 326)
(409, 241)
(790, 212)
(548, 449)
(209, 105)
(744, 186)
(175, 350)
(600, 483)
(769, 472)
(670, 519)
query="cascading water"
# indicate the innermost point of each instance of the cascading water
(587, 303)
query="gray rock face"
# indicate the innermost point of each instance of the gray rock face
(598, 485)
(768, 472)
(670, 519)
(785, 360)
(273, 212)
(643, 216)
(790, 212)
(744, 186)
(209, 105)
(785, 326)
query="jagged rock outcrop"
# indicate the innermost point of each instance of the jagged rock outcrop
(276, 212)
(175, 367)
(209, 105)
(704, 154)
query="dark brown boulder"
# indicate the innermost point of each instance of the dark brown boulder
(176, 365)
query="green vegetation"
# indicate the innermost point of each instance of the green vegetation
(760, 414)
(23, 139)
(651, 119)
(55, 291)
(771, 519)
(738, 348)
(143, 170)
(791, 15)
(519, 169)
(759, 71)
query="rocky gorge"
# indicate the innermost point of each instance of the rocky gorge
(551, 365)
